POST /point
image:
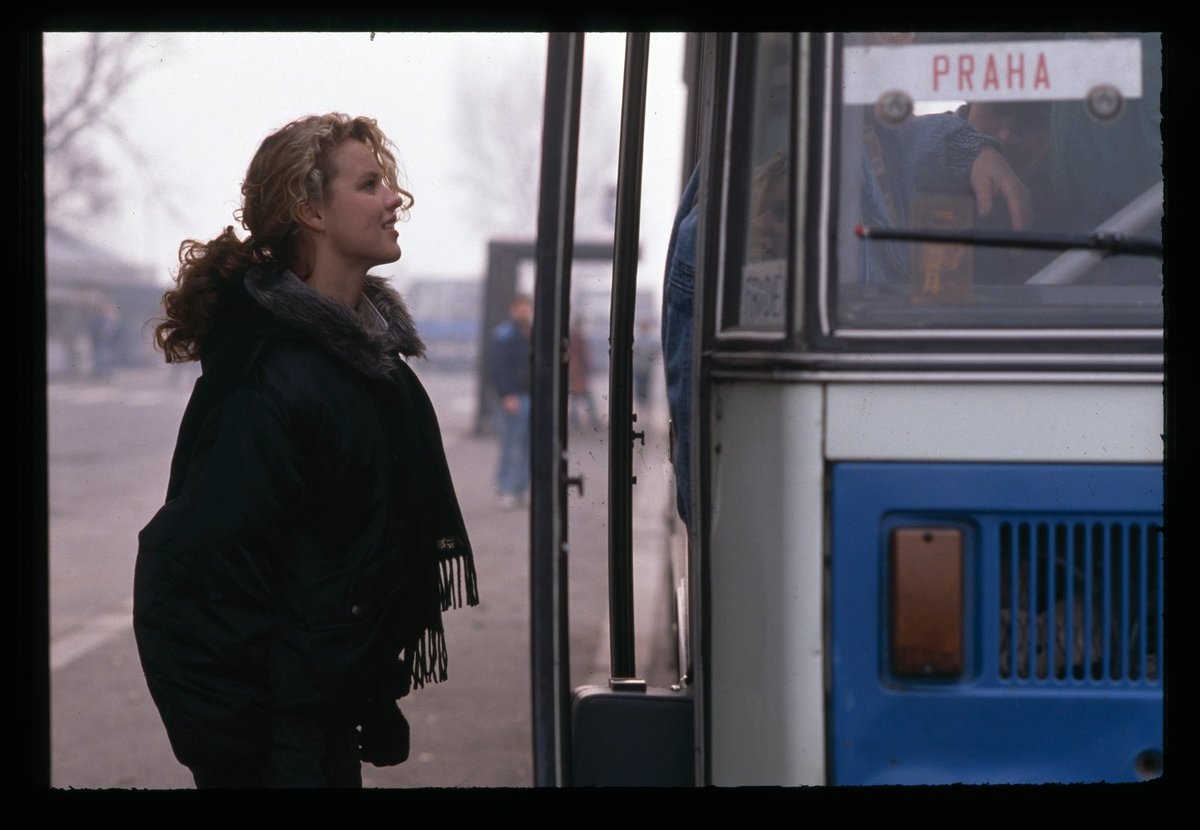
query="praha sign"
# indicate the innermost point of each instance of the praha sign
(1039, 70)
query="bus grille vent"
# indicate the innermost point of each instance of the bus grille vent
(1080, 602)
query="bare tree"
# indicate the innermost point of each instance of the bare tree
(81, 86)
(499, 130)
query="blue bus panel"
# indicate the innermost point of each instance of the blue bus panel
(1061, 672)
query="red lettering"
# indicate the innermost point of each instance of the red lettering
(1013, 69)
(941, 66)
(966, 65)
(1041, 75)
(1018, 71)
(991, 78)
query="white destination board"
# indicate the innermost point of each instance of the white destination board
(1038, 70)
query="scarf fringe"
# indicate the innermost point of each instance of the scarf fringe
(457, 572)
(429, 659)
(456, 583)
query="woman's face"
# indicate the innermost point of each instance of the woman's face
(359, 212)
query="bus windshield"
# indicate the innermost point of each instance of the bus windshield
(1019, 144)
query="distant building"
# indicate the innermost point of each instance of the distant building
(98, 306)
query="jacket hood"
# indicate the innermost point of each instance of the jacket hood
(373, 337)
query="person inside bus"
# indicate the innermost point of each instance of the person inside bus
(292, 586)
(1023, 129)
(930, 154)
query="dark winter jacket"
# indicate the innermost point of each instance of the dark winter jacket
(311, 535)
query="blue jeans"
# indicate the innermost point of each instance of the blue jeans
(678, 292)
(512, 474)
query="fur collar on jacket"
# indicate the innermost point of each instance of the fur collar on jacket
(372, 338)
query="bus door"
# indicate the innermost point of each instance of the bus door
(549, 642)
(625, 733)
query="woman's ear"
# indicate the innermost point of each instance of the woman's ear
(311, 216)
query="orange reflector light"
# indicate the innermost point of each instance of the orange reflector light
(927, 602)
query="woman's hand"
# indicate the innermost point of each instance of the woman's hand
(384, 735)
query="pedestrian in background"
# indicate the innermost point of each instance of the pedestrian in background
(579, 377)
(646, 354)
(104, 332)
(511, 367)
(292, 586)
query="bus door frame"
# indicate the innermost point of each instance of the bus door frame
(715, 55)
(549, 633)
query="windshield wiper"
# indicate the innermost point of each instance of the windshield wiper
(1107, 243)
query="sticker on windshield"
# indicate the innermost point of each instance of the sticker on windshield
(763, 291)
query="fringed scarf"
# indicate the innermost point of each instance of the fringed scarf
(442, 561)
(375, 338)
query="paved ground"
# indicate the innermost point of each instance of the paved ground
(109, 449)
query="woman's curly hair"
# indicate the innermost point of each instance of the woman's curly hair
(293, 165)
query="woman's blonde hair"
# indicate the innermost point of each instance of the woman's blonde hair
(292, 166)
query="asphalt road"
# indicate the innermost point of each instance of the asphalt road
(109, 452)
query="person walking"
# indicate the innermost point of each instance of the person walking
(511, 379)
(579, 377)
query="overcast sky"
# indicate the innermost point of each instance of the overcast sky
(206, 100)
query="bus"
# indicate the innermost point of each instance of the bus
(919, 444)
